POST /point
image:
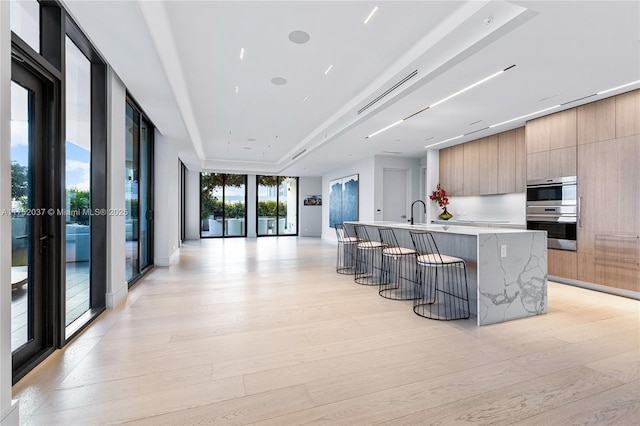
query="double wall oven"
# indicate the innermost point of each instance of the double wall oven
(552, 206)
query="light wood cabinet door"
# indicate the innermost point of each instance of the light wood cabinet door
(562, 162)
(488, 165)
(628, 114)
(521, 161)
(597, 121)
(609, 223)
(563, 264)
(537, 135)
(507, 162)
(471, 171)
(538, 165)
(451, 169)
(512, 161)
(562, 129)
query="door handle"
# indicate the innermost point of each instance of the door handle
(43, 243)
(149, 215)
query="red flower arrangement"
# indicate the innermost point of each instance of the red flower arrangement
(440, 197)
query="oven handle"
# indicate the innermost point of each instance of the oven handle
(552, 218)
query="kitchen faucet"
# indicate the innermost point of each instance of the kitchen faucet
(423, 204)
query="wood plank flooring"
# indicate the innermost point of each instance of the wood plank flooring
(263, 331)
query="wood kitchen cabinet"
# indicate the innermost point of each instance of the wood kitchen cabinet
(608, 221)
(562, 263)
(628, 114)
(488, 165)
(492, 165)
(597, 121)
(551, 145)
(451, 169)
(512, 161)
(471, 170)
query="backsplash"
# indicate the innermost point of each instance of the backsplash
(505, 208)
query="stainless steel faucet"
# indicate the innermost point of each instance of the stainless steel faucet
(423, 204)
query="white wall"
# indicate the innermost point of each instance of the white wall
(8, 410)
(117, 287)
(166, 216)
(366, 192)
(192, 208)
(309, 217)
(412, 166)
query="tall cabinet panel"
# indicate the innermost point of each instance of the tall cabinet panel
(488, 165)
(471, 168)
(551, 145)
(608, 182)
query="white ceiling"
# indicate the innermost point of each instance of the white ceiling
(181, 61)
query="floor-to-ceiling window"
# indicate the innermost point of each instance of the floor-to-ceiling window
(58, 182)
(138, 193)
(223, 207)
(277, 205)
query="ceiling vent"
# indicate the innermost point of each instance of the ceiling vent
(386, 92)
(298, 154)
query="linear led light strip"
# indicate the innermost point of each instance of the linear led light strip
(529, 115)
(442, 100)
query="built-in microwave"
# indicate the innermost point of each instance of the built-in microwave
(552, 206)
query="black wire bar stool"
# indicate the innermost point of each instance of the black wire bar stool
(368, 258)
(345, 261)
(443, 292)
(398, 268)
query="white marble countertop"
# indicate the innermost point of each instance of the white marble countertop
(450, 229)
(487, 223)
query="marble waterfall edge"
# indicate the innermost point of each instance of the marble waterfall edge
(514, 286)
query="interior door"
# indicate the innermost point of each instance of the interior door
(31, 216)
(394, 195)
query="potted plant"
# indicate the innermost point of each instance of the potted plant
(440, 197)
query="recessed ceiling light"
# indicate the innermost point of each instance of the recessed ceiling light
(237, 89)
(299, 37)
(305, 99)
(247, 147)
(328, 69)
(279, 81)
(242, 53)
(375, 9)
(251, 140)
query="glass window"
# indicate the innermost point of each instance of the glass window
(131, 193)
(25, 21)
(277, 207)
(223, 205)
(77, 182)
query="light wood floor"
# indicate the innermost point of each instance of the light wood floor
(265, 332)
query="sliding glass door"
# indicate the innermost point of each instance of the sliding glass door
(138, 194)
(223, 208)
(277, 206)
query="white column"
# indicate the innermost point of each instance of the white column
(192, 208)
(166, 214)
(8, 408)
(117, 288)
(433, 177)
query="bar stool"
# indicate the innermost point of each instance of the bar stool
(441, 282)
(368, 258)
(345, 261)
(398, 268)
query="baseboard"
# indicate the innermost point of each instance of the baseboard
(167, 261)
(113, 299)
(12, 416)
(597, 287)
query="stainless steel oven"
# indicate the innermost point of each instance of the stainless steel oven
(552, 206)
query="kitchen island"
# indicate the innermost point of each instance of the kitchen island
(506, 268)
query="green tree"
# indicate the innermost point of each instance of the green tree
(79, 204)
(19, 181)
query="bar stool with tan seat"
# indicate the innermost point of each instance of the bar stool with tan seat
(345, 261)
(442, 288)
(368, 258)
(398, 268)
